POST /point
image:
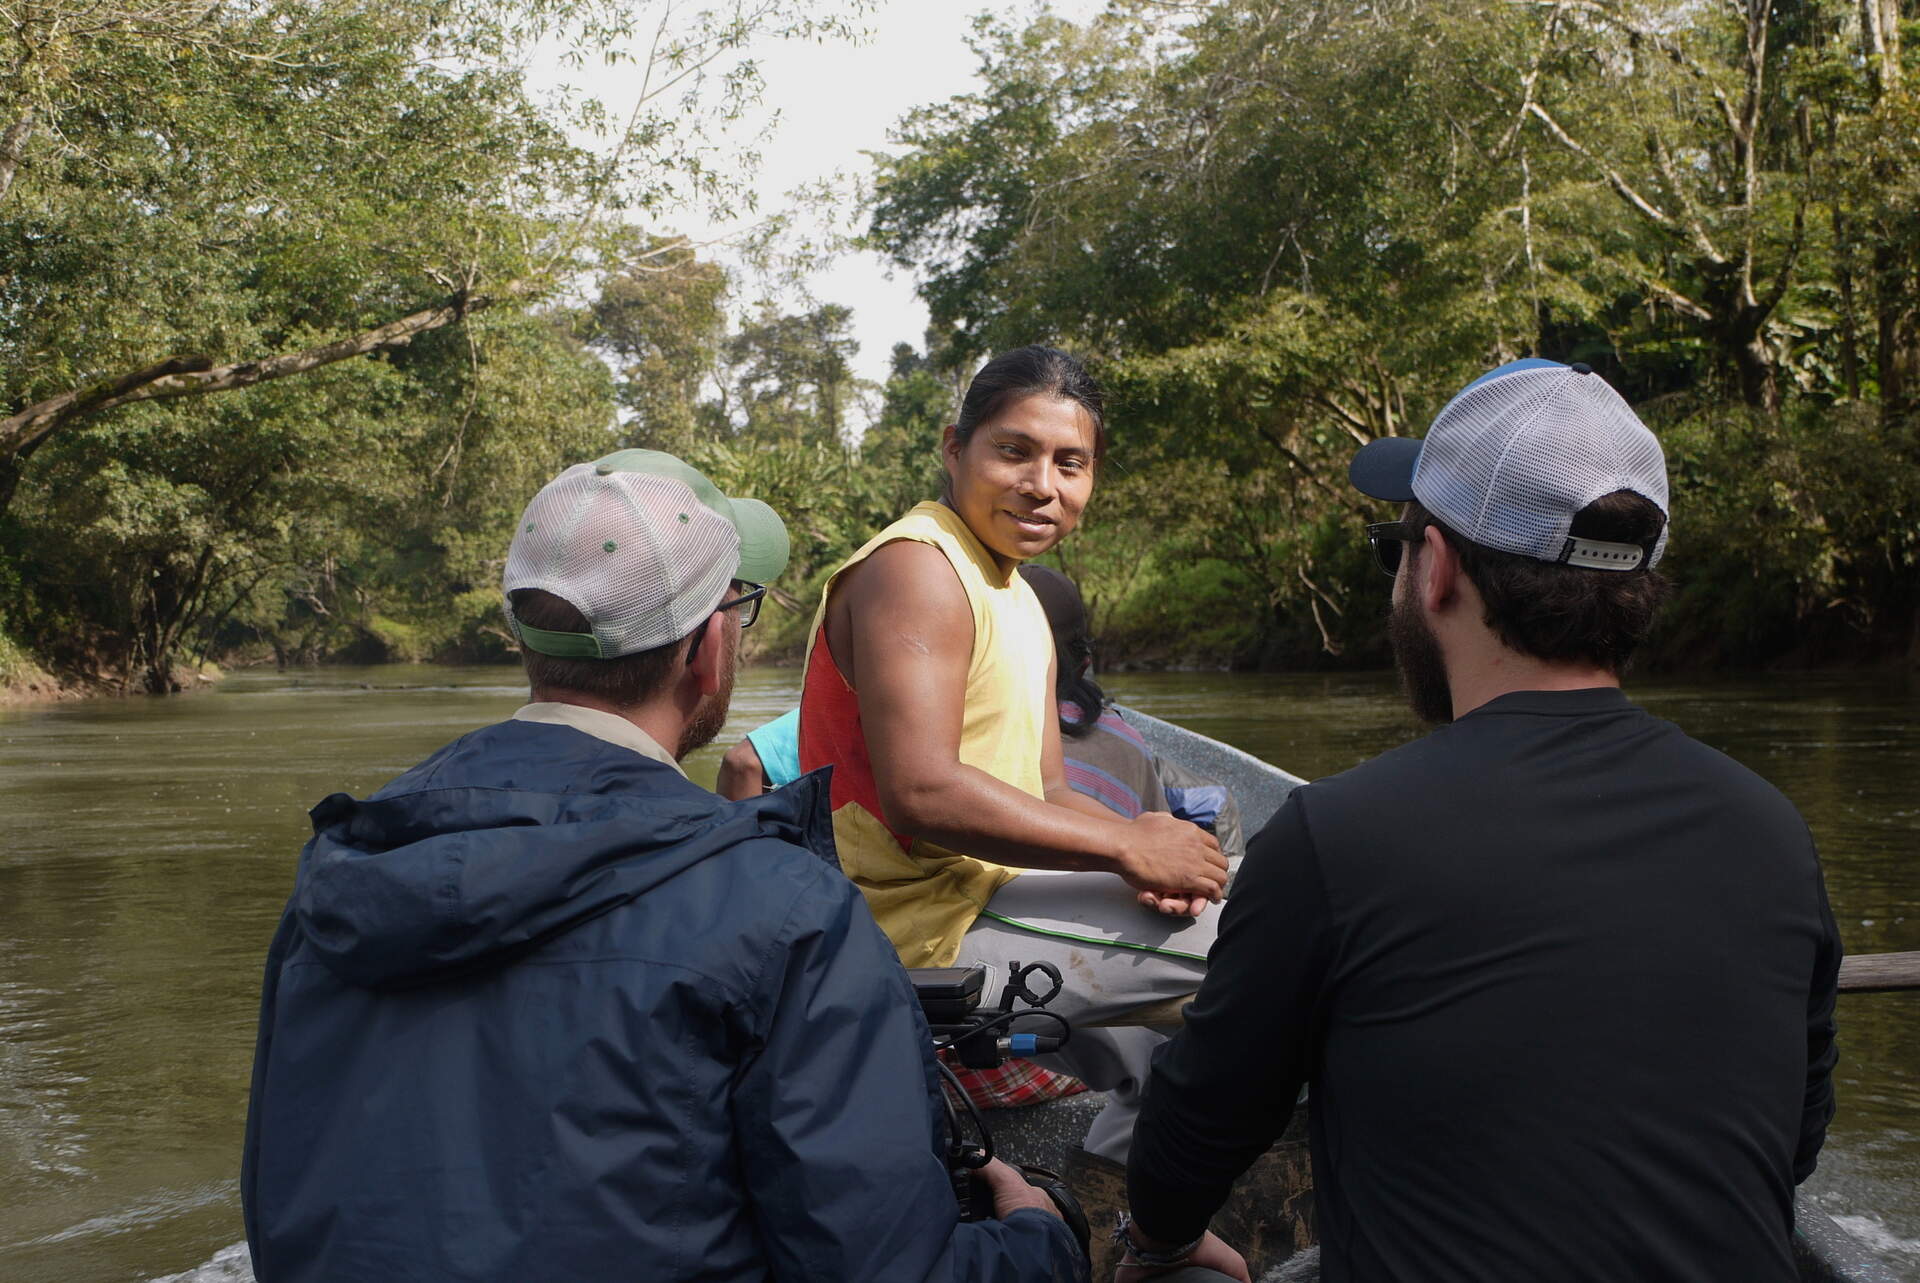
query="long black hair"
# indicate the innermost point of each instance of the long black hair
(1072, 648)
(1031, 371)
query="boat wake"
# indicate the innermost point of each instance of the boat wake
(228, 1265)
(1875, 1234)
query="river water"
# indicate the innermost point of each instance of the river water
(149, 846)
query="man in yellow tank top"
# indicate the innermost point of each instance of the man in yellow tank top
(929, 689)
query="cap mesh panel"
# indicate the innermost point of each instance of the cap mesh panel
(1509, 461)
(671, 561)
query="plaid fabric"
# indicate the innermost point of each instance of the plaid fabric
(1018, 1082)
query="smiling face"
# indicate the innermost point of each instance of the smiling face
(1022, 479)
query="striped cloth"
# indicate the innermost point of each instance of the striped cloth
(1111, 764)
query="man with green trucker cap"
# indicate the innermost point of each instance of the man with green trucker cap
(542, 1008)
(643, 546)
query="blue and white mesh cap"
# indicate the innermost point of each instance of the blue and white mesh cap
(637, 553)
(1511, 459)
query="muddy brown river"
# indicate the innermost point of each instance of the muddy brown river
(149, 845)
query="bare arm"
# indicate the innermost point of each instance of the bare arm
(1053, 764)
(741, 775)
(1822, 1055)
(901, 632)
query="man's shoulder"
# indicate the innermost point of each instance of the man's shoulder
(753, 897)
(780, 851)
(1470, 773)
(1367, 782)
(1725, 769)
(786, 874)
(1668, 755)
(538, 756)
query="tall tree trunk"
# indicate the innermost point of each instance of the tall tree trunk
(156, 660)
(11, 466)
(1899, 325)
(13, 148)
(1758, 387)
(1896, 291)
(173, 603)
(1849, 321)
(1744, 339)
(1880, 32)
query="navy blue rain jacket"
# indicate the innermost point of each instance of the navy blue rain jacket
(541, 1009)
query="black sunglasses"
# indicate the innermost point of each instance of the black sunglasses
(751, 599)
(1389, 539)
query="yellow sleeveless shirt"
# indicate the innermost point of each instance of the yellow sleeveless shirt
(925, 896)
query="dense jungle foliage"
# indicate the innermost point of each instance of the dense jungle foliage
(302, 300)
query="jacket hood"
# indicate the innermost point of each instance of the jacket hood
(432, 883)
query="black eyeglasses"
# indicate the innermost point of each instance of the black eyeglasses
(751, 599)
(1389, 540)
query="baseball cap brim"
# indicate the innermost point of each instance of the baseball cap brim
(764, 546)
(1384, 468)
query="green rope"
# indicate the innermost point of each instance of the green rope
(1105, 944)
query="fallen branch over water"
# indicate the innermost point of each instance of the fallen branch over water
(1880, 972)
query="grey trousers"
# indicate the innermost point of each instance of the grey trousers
(1114, 957)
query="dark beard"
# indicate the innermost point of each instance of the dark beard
(711, 715)
(1416, 654)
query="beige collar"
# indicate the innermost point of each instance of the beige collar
(604, 726)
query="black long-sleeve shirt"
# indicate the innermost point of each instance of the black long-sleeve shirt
(1562, 982)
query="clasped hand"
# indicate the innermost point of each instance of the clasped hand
(1176, 866)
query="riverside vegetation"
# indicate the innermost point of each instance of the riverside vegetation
(299, 299)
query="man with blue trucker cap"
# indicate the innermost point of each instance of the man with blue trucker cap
(541, 1008)
(1559, 978)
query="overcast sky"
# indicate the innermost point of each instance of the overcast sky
(838, 100)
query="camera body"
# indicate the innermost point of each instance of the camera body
(950, 998)
(983, 1038)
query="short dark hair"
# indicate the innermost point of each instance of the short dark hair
(623, 682)
(1031, 371)
(1566, 613)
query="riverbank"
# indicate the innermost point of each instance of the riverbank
(1671, 653)
(24, 684)
(24, 681)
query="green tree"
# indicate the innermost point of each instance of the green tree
(206, 197)
(362, 172)
(1270, 259)
(1283, 229)
(1888, 195)
(1696, 126)
(900, 452)
(309, 515)
(788, 377)
(663, 320)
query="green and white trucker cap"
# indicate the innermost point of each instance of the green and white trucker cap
(642, 545)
